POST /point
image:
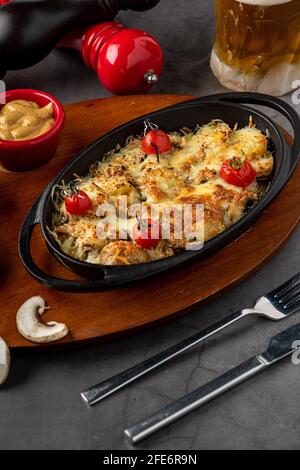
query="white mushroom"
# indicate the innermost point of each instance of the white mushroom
(4, 361)
(30, 326)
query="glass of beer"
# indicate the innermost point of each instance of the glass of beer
(257, 46)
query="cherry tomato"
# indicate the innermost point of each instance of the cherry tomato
(156, 141)
(238, 172)
(147, 234)
(79, 203)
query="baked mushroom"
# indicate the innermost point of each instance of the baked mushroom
(123, 253)
(4, 361)
(30, 326)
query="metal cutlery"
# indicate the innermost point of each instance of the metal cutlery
(281, 346)
(276, 305)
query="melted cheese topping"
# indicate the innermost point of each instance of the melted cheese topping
(188, 174)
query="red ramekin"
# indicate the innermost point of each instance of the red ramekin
(24, 155)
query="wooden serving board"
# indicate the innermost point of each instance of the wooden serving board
(100, 315)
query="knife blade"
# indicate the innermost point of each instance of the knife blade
(281, 346)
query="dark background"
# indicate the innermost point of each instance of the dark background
(40, 406)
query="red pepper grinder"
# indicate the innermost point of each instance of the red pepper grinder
(126, 60)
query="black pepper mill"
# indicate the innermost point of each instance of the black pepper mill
(30, 29)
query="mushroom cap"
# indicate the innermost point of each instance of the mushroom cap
(30, 326)
(4, 361)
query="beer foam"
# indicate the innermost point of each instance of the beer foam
(264, 3)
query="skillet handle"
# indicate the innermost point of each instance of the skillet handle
(262, 100)
(52, 282)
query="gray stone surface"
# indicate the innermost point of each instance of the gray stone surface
(40, 406)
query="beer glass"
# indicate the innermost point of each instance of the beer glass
(257, 45)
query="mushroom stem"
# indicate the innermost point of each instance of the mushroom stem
(30, 326)
(4, 361)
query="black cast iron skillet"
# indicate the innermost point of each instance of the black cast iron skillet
(198, 111)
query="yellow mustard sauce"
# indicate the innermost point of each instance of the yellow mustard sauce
(23, 120)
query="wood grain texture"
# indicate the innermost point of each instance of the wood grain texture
(100, 315)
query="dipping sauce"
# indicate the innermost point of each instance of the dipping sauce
(23, 120)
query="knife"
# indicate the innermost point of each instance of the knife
(281, 346)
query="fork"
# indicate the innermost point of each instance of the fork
(276, 305)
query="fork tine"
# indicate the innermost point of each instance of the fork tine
(295, 308)
(292, 300)
(284, 287)
(293, 305)
(288, 294)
